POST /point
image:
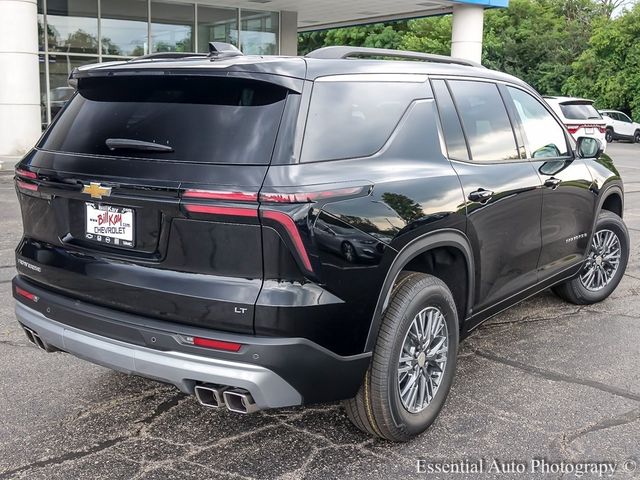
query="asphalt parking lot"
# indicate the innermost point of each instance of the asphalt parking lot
(544, 380)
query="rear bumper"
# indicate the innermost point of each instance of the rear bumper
(278, 372)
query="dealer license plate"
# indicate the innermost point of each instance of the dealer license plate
(110, 225)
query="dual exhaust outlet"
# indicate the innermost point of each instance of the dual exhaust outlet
(235, 399)
(35, 339)
(214, 396)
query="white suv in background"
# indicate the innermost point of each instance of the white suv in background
(620, 126)
(580, 117)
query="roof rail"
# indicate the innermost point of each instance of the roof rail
(168, 55)
(340, 52)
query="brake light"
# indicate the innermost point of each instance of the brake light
(287, 222)
(573, 128)
(27, 186)
(216, 344)
(218, 210)
(221, 195)
(25, 173)
(28, 295)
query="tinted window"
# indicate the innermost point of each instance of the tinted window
(623, 117)
(485, 121)
(354, 119)
(203, 119)
(453, 136)
(579, 111)
(544, 135)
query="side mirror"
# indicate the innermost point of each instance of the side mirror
(589, 147)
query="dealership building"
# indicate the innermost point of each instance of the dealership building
(42, 41)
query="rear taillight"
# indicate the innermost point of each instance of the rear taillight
(32, 187)
(270, 198)
(26, 173)
(221, 195)
(292, 231)
(28, 295)
(312, 196)
(573, 128)
(215, 344)
(222, 210)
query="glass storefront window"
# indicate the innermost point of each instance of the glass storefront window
(60, 66)
(124, 27)
(43, 89)
(40, 26)
(216, 25)
(71, 33)
(72, 26)
(259, 32)
(172, 27)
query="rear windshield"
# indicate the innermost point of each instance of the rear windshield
(579, 111)
(196, 119)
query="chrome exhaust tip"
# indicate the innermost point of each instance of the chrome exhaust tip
(210, 395)
(240, 401)
(34, 338)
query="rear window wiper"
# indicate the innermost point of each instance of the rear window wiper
(130, 144)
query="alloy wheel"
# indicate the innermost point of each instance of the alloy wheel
(602, 262)
(423, 359)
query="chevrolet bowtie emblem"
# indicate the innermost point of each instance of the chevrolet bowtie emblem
(96, 190)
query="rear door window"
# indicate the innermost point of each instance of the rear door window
(485, 120)
(349, 119)
(453, 134)
(202, 119)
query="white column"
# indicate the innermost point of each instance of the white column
(466, 34)
(288, 33)
(19, 77)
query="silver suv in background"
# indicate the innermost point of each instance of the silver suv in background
(620, 126)
(579, 116)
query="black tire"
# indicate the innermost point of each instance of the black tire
(377, 409)
(608, 136)
(574, 290)
(636, 136)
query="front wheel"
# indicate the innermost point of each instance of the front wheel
(413, 362)
(636, 136)
(605, 264)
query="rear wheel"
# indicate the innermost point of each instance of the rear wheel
(605, 264)
(608, 136)
(413, 363)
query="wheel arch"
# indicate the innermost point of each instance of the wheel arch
(611, 199)
(440, 238)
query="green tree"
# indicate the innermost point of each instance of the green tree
(609, 69)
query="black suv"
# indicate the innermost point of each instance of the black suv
(269, 231)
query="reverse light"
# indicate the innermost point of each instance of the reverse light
(28, 295)
(216, 344)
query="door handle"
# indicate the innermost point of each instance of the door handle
(552, 183)
(481, 195)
